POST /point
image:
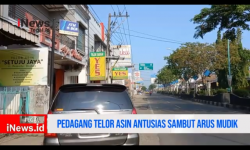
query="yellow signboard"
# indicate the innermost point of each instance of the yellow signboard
(119, 73)
(24, 67)
(97, 66)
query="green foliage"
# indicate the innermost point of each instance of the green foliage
(192, 59)
(143, 88)
(220, 91)
(240, 70)
(201, 92)
(165, 75)
(226, 16)
(151, 86)
(214, 91)
(241, 92)
(191, 92)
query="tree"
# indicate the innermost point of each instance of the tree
(239, 61)
(165, 75)
(143, 88)
(151, 86)
(240, 70)
(233, 18)
(192, 59)
(227, 16)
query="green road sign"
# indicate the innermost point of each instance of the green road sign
(146, 66)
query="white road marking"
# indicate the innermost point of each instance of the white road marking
(152, 112)
(177, 106)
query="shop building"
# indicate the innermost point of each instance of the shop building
(71, 52)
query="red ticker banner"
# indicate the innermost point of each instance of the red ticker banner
(23, 123)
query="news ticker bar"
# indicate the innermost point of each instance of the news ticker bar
(23, 123)
(126, 123)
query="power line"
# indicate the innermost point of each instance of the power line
(119, 24)
(95, 13)
(123, 25)
(174, 41)
(101, 21)
(154, 39)
(129, 35)
(121, 37)
(153, 35)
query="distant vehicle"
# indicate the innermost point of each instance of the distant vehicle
(95, 99)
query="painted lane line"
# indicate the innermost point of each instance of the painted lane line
(177, 106)
(152, 112)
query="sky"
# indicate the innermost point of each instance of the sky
(155, 31)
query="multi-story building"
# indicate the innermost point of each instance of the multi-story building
(71, 53)
(71, 64)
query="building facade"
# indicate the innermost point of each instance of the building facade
(71, 57)
(71, 53)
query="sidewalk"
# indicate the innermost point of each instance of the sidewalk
(22, 139)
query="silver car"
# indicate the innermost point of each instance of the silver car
(91, 99)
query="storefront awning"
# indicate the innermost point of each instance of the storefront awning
(61, 59)
(11, 34)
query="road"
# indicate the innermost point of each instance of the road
(161, 104)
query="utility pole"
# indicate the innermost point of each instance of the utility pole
(52, 62)
(133, 80)
(108, 41)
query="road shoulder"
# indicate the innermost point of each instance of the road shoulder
(142, 106)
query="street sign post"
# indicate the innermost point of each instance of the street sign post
(146, 66)
(229, 80)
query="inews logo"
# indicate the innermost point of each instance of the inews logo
(35, 26)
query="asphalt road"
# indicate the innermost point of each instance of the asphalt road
(161, 104)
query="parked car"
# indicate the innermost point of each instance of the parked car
(86, 99)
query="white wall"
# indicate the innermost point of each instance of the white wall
(68, 74)
(82, 78)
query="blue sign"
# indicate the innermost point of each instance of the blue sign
(207, 73)
(195, 77)
(68, 27)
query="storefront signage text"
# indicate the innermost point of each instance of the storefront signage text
(97, 66)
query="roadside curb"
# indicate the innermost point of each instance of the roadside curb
(237, 107)
(223, 105)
